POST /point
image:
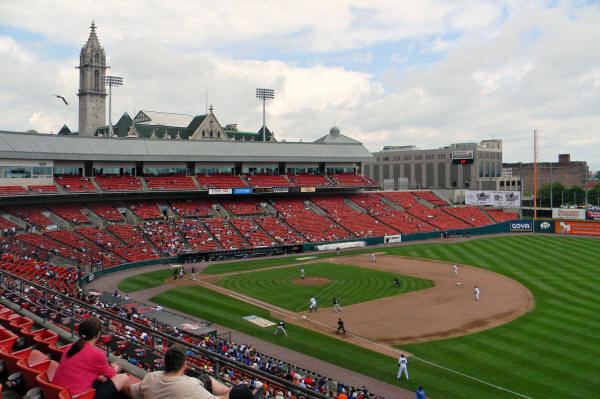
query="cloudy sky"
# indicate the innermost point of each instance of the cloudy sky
(422, 72)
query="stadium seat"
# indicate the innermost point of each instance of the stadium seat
(52, 391)
(119, 183)
(35, 363)
(44, 338)
(178, 182)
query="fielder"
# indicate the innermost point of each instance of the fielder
(193, 273)
(476, 293)
(336, 305)
(280, 327)
(373, 258)
(455, 269)
(313, 305)
(341, 330)
(402, 367)
(302, 273)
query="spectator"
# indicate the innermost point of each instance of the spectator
(172, 383)
(84, 366)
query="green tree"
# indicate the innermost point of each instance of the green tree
(597, 175)
(557, 189)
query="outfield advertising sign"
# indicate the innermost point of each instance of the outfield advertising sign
(578, 227)
(521, 226)
(566, 213)
(219, 191)
(280, 189)
(245, 190)
(392, 239)
(544, 226)
(509, 199)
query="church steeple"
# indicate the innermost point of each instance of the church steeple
(92, 88)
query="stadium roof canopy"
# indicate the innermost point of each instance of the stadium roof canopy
(35, 146)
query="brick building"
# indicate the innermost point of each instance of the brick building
(568, 173)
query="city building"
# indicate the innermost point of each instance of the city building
(566, 172)
(475, 166)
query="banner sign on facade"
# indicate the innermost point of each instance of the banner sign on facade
(392, 239)
(578, 227)
(594, 214)
(566, 213)
(307, 189)
(521, 226)
(219, 191)
(462, 154)
(280, 189)
(244, 190)
(504, 199)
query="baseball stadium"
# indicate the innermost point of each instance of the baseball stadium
(170, 229)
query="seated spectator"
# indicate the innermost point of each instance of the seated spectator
(84, 366)
(173, 383)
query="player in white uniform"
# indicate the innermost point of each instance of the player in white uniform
(402, 367)
(281, 327)
(336, 305)
(476, 292)
(313, 305)
(302, 273)
(455, 268)
(373, 258)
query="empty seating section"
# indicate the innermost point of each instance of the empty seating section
(170, 183)
(196, 235)
(138, 249)
(45, 244)
(147, 210)
(62, 278)
(100, 237)
(75, 184)
(268, 180)
(361, 224)
(12, 190)
(85, 252)
(306, 180)
(253, 233)
(375, 206)
(243, 207)
(430, 197)
(165, 237)
(351, 180)
(107, 212)
(70, 213)
(193, 208)
(227, 236)
(314, 227)
(44, 188)
(277, 229)
(500, 216)
(433, 216)
(220, 181)
(470, 215)
(32, 215)
(119, 183)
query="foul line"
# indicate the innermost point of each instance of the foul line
(294, 315)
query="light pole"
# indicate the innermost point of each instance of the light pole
(264, 95)
(110, 82)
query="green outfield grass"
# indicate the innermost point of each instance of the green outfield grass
(145, 280)
(550, 352)
(350, 284)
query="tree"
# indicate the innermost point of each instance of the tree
(597, 175)
(557, 189)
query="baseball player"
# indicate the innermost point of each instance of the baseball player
(313, 305)
(340, 328)
(181, 273)
(402, 366)
(476, 293)
(302, 273)
(455, 268)
(193, 273)
(396, 282)
(336, 305)
(280, 327)
(373, 258)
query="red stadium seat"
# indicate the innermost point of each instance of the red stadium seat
(52, 391)
(35, 363)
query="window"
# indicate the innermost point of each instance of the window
(97, 58)
(165, 171)
(96, 80)
(407, 157)
(16, 171)
(42, 171)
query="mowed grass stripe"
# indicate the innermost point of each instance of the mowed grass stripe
(350, 284)
(550, 351)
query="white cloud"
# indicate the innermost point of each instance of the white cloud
(495, 80)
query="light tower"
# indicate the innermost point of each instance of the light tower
(264, 95)
(112, 81)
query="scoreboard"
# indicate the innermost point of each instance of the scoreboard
(462, 157)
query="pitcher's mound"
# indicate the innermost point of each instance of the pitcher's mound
(311, 281)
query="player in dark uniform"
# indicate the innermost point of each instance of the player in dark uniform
(396, 282)
(340, 328)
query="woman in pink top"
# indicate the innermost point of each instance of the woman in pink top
(84, 366)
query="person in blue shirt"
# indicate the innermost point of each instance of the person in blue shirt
(421, 393)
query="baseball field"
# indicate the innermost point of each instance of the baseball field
(548, 350)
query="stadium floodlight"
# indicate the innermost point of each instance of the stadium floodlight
(264, 95)
(110, 82)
